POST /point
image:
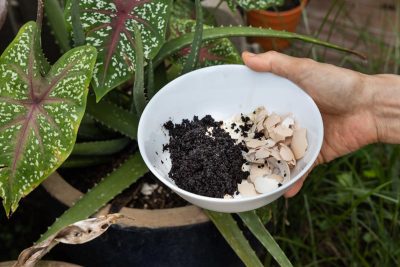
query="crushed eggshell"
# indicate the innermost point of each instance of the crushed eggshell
(299, 142)
(274, 143)
(265, 184)
(246, 189)
(148, 189)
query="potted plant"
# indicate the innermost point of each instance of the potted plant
(285, 16)
(125, 51)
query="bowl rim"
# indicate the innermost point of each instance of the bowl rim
(175, 188)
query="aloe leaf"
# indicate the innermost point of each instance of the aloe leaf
(254, 4)
(55, 18)
(77, 34)
(129, 172)
(255, 225)
(174, 45)
(108, 26)
(113, 117)
(139, 98)
(84, 161)
(228, 227)
(193, 56)
(107, 147)
(40, 112)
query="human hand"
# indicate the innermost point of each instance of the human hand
(341, 95)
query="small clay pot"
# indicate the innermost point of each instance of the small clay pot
(284, 20)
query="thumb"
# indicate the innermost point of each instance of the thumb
(280, 64)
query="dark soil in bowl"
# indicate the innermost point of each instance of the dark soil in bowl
(205, 159)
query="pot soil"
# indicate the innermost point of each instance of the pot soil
(280, 19)
(181, 236)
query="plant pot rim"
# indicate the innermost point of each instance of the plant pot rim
(289, 12)
(61, 190)
(42, 264)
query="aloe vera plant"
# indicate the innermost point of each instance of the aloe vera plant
(41, 106)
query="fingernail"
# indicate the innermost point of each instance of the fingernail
(250, 54)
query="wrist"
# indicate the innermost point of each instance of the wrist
(385, 106)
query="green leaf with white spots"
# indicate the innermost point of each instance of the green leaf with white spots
(254, 4)
(40, 111)
(108, 26)
(212, 52)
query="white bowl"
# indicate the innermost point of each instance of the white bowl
(223, 91)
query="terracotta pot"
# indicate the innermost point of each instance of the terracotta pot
(167, 237)
(285, 20)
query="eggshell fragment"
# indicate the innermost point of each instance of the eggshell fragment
(272, 120)
(265, 185)
(299, 143)
(285, 152)
(287, 122)
(258, 170)
(279, 167)
(246, 189)
(254, 143)
(262, 152)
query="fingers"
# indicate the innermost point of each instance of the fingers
(277, 63)
(299, 184)
(295, 188)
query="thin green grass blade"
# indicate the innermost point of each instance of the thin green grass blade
(55, 17)
(78, 34)
(255, 225)
(129, 172)
(176, 44)
(228, 227)
(139, 98)
(193, 57)
(113, 117)
(98, 148)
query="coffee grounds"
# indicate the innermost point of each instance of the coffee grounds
(205, 159)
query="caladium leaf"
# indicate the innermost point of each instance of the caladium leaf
(214, 52)
(185, 9)
(40, 111)
(254, 4)
(108, 26)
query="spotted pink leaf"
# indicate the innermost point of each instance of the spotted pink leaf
(108, 26)
(40, 112)
(215, 52)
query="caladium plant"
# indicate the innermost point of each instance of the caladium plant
(40, 111)
(254, 4)
(214, 52)
(109, 26)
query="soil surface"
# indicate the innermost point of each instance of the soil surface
(205, 159)
(159, 198)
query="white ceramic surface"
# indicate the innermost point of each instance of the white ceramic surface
(223, 91)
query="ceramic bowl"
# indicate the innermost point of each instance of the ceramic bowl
(223, 91)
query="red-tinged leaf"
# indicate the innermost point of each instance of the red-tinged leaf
(108, 26)
(40, 112)
(215, 52)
